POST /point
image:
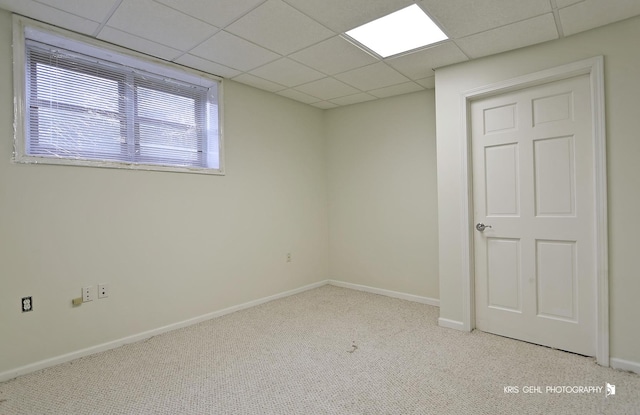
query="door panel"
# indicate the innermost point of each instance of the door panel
(552, 108)
(503, 277)
(554, 176)
(556, 276)
(500, 118)
(502, 181)
(533, 184)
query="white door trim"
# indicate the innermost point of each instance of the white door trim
(594, 67)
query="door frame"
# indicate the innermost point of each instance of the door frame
(594, 67)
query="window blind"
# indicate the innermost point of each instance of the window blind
(83, 107)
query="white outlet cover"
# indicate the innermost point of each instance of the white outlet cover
(103, 290)
(88, 293)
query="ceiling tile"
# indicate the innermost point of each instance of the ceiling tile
(230, 50)
(564, 3)
(513, 36)
(218, 13)
(593, 13)
(159, 23)
(298, 96)
(429, 82)
(206, 66)
(399, 89)
(279, 27)
(260, 83)
(333, 56)
(324, 105)
(141, 45)
(287, 72)
(96, 10)
(420, 64)
(353, 99)
(50, 15)
(327, 88)
(460, 18)
(343, 15)
(373, 76)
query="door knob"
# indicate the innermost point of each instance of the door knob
(481, 227)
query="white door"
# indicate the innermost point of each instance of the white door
(533, 187)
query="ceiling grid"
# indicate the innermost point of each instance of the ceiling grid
(297, 48)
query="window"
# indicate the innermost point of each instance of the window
(87, 104)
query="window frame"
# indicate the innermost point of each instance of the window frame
(24, 28)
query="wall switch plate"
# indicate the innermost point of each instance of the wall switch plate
(88, 293)
(27, 304)
(103, 290)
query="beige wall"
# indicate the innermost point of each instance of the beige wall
(382, 194)
(171, 246)
(618, 44)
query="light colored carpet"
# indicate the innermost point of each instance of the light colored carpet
(326, 351)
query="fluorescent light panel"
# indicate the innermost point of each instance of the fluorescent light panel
(401, 31)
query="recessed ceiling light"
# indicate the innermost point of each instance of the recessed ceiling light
(401, 31)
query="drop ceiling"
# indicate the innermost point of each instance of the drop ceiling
(295, 48)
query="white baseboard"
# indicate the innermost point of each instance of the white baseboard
(625, 365)
(43, 364)
(388, 293)
(451, 324)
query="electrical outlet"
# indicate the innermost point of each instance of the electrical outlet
(289, 257)
(27, 304)
(103, 290)
(88, 293)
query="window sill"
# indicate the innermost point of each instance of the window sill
(114, 165)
